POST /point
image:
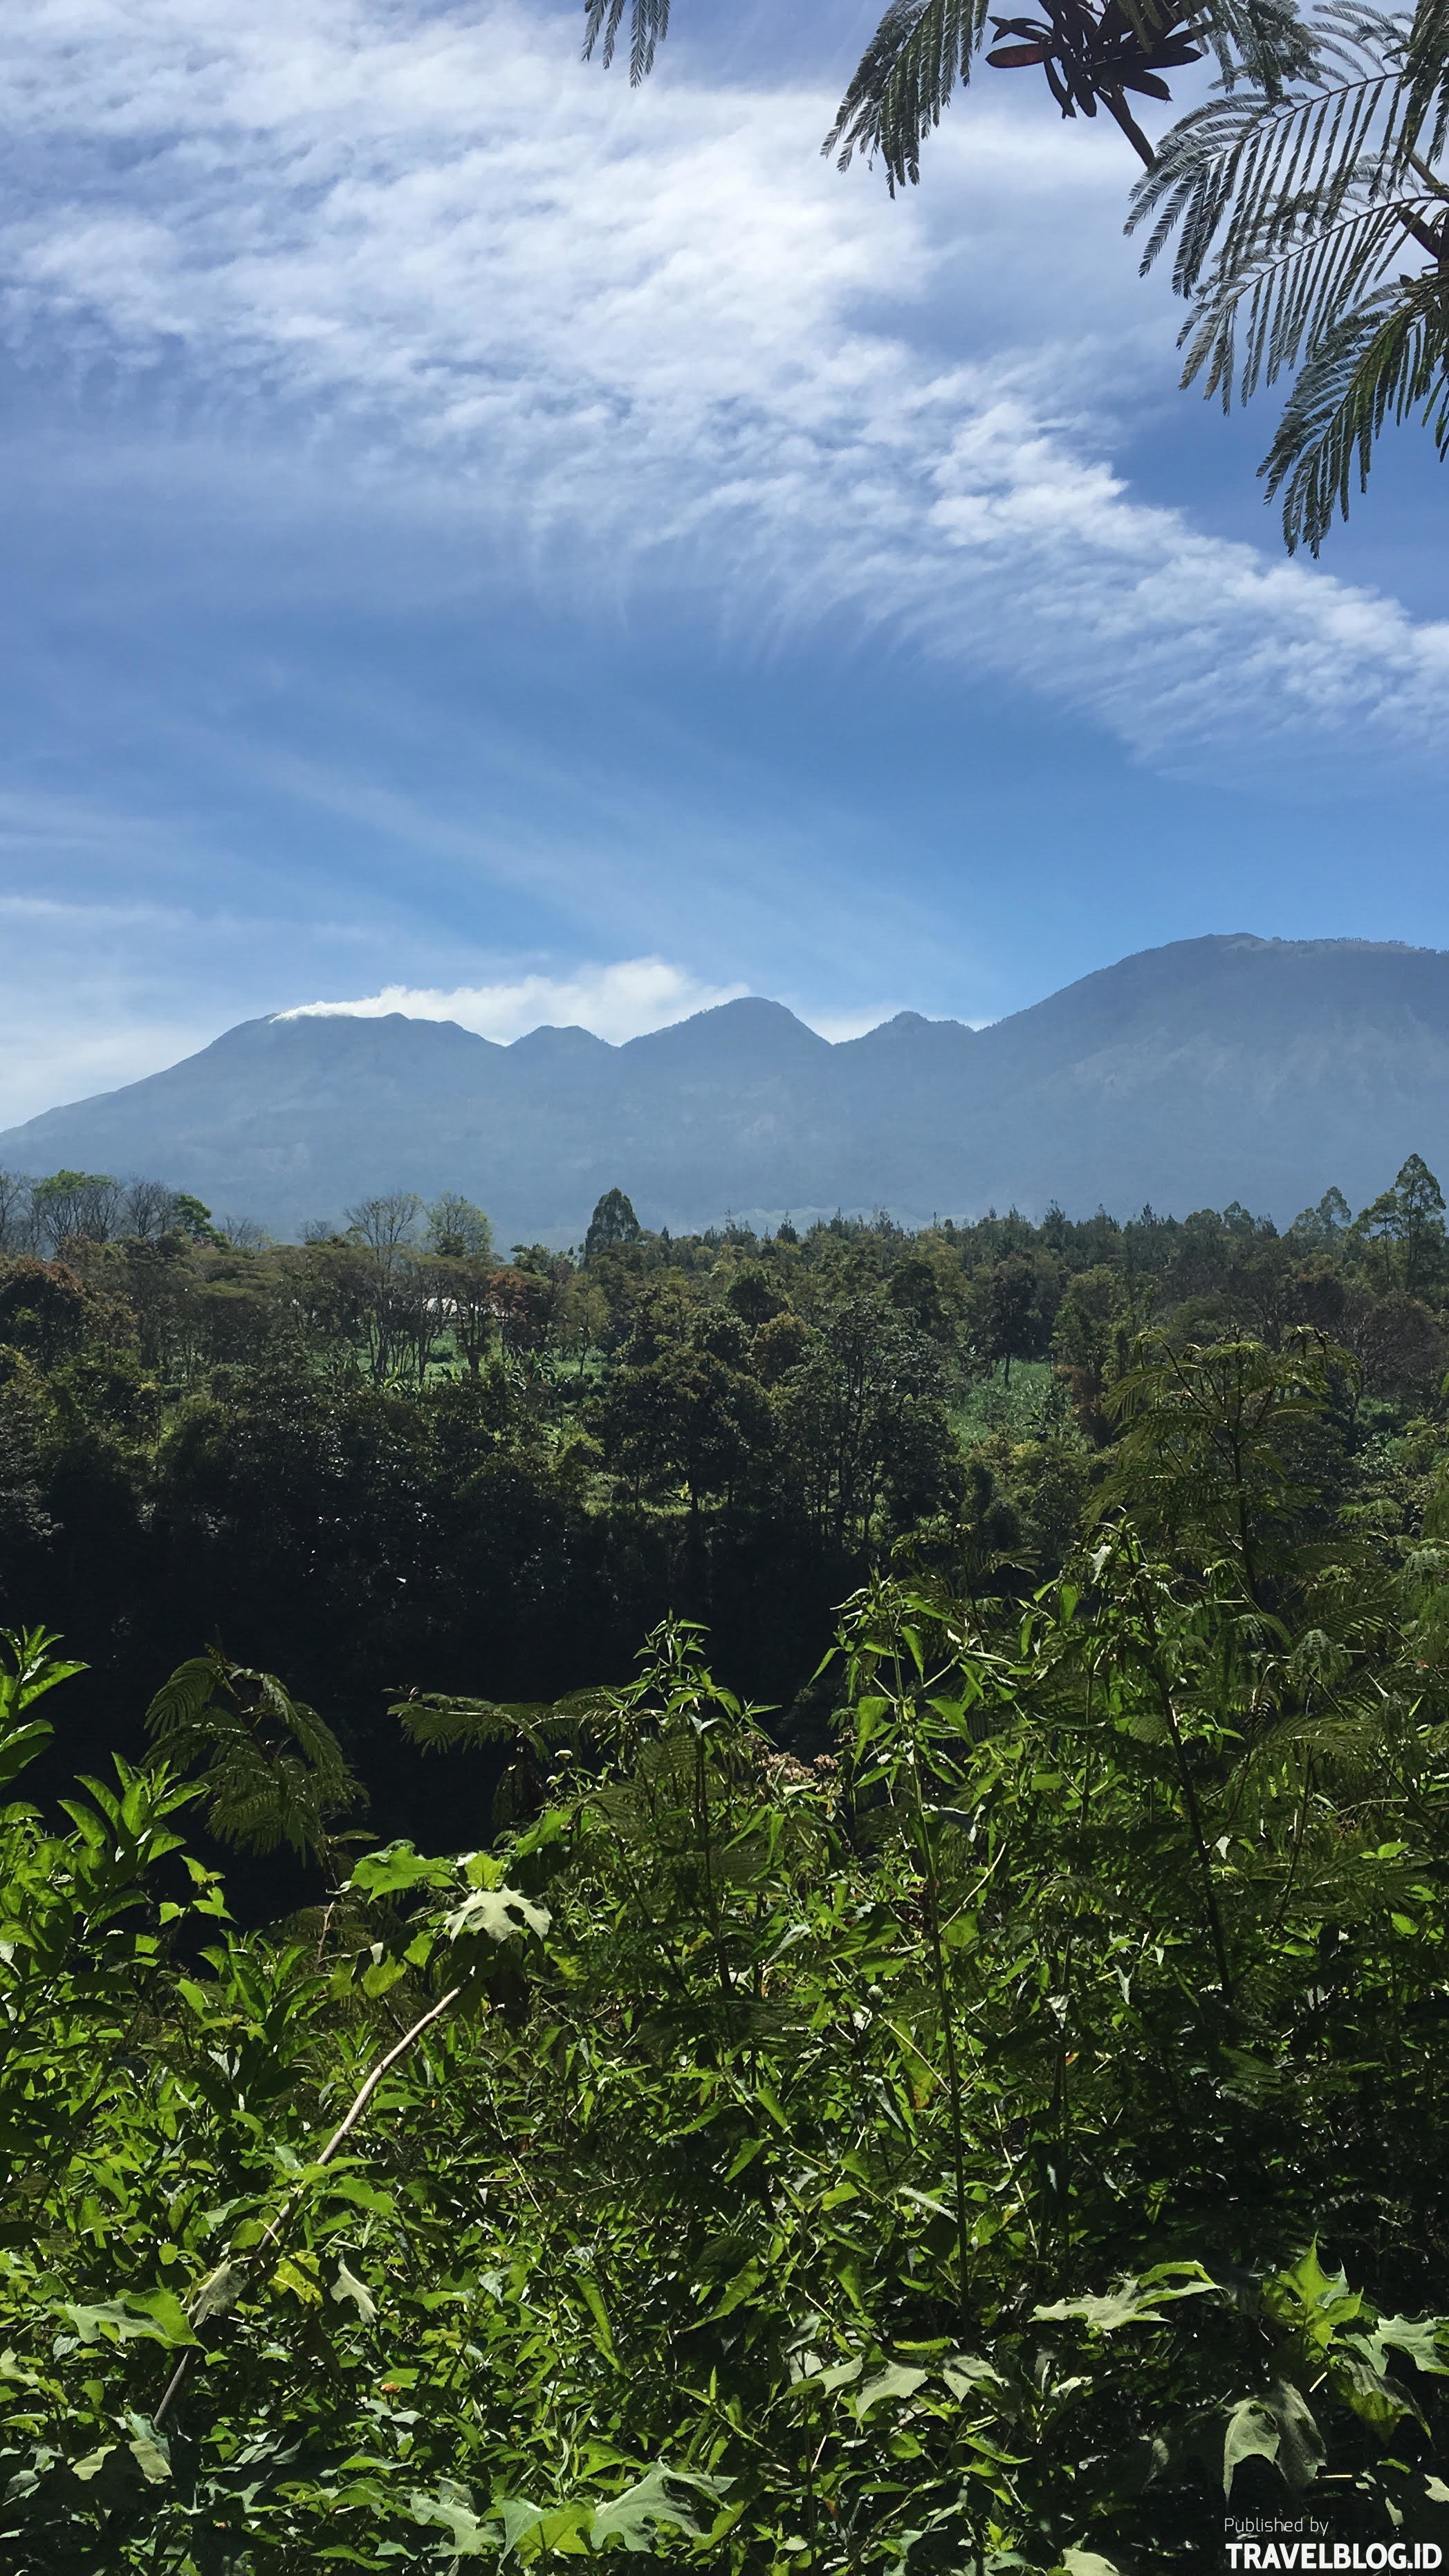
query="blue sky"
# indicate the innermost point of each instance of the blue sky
(477, 534)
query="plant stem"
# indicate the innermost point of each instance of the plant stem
(943, 1996)
(187, 2363)
(1204, 1856)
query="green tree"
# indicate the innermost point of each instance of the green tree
(44, 1309)
(686, 1419)
(458, 1230)
(1012, 1307)
(1409, 1217)
(1090, 1341)
(1324, 1226)
(69, 1206)
(189, 1217)
(861, 1425)
(612, 1222)
(1203, 1463)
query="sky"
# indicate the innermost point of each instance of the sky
(483, 541)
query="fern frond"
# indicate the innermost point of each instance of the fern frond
(1289, 216)
(1427, 57)
(175, 1713)
(648, 27)
(439, 1723)
(1267, 171)
(274, 1771)
(1386, 359)
(1263, 42)
(905, 77)
(1253, 326)
(1257, 160)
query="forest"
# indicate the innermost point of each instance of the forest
(775, 1902)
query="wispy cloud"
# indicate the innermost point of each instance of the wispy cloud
(616, 1002)
(649, 337)
(97, 1003)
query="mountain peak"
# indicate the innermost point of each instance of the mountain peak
(1212, 1069)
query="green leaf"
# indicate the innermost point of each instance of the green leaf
(519, 2519)
(156, 2316)
(348, 2286)
(745, 2155)
(1373, 2396)
(663, 2500)
(769, 2101)
(92, 2464)
(593, 2301)
(383, 1974)
(498, 1913)
(218, 2292)
(290, 2276)
(823, 2383)
(397, 1865)
(1325, 2297)
(1424, 2341)
(1135, 2304)
(897, 2379)
(1278, 2427)
(21, 1745)
(170, 2316)
(1251, 2434)
(452, 2510)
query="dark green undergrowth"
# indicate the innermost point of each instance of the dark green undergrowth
(997, 2142)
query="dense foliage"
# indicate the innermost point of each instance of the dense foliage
(393, 1459)
(990, 2143)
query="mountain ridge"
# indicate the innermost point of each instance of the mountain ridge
(1221, 1067)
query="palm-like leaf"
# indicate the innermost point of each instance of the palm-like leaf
(1428, 68)
(648, 27)
(1291, 218)
(1254, 167)
(1387, 359)
(919, 52)
(542, 1733)
(1090, 52)
(440, 1721)
(274, 1771)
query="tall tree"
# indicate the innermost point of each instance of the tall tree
(613, 1221)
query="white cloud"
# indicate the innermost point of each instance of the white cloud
(639, 336)
(615, 1002)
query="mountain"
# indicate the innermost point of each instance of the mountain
(1264, 1070)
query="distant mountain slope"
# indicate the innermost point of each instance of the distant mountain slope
(1214, 1069)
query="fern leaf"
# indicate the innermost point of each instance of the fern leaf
(1384, 360)
(919, 52)
(181, 1702)
(439, 1722)
(648, 27)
